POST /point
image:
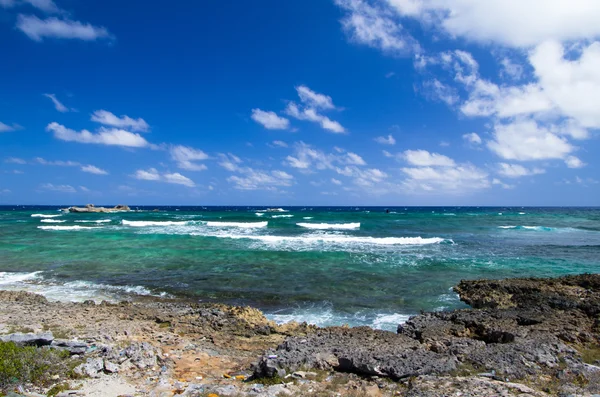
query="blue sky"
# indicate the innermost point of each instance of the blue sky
(312, 102)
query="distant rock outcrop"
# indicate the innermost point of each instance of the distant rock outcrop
(92, 208)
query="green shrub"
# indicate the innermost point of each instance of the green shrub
(29, 364)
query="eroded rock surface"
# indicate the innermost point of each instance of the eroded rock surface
(536, 330)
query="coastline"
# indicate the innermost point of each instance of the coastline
(520, 337)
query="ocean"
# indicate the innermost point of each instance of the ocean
(325, 265)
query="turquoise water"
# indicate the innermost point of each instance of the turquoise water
(360, 266)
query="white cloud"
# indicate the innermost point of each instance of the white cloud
(497, 181)
(93, 170)
(526, 140)
(513, 23)
(389, 140)
(124, 122)
(445, 180)
(147, 175)
(57, 104)
(58, 188)
(336, 181)
(517, 170)
(311, 114)
(84, 189)
(104, 136)
(574, 162)
(353, 158)
(47, 6)
(185, 157)
(60, 163)
(9, 128)
(152, 174)
(437, 90)
(270, 120)
(253, 179)
(178, 179)
(230, 162)
(37, 29)
(423, 158)
(260, 180)
(280, 144)
(314, 99)
(14, 160)
(472, 138)
(375, 27)
(511, 69)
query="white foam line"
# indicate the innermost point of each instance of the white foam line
(152, 223)
(328, 226)
(343, 239)
(237, 224)
(44, 216)
(75, 227)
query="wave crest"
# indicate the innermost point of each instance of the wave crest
(329, 226)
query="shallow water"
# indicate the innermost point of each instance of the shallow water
(360, 266)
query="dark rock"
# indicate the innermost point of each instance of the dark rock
(29, 339)
(72, 346)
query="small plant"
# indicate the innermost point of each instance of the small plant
(590, 354)
(58, 389)
(28, 364)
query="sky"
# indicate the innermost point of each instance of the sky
(300, 102)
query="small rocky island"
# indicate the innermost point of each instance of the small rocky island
(91, 208)
(522, 337)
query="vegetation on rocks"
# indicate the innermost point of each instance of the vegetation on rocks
(30, 365)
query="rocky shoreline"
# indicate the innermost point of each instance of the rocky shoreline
(522, 337)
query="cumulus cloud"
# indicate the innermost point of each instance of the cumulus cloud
(37, 29)
(336, 181)
(574, 162)
(525, 140)
(105, 136)
(472, 138)
(152, 174)
(517, 170)
(253, 179)
(186, 156)
(57, 104)
(386, 140)
(311, 114)
(270, 120)
(314, 99)
(93, 170)
(375, 26)
(423, 158)
(459, 179)
(512, 23)
(312, 104)
(124, 122)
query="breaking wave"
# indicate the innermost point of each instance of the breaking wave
(329, 226)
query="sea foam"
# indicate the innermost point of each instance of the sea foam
(152, 223)
(45, 215)
(52, 221)
(282, 216)
(237, 224)
(329, 226)
(98, 221)
(75, 227)
(333, 239)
